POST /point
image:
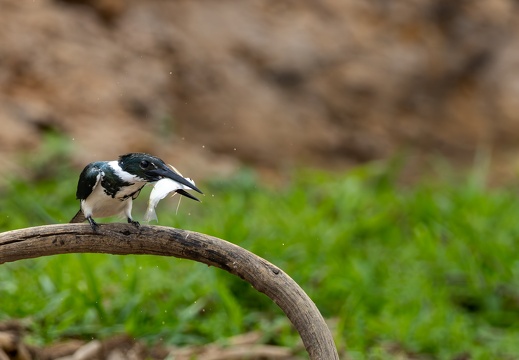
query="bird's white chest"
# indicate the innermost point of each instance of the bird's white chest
(100, 204)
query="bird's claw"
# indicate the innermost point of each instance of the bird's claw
(93, 224)
(134, 223)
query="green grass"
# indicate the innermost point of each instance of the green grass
(430, 269)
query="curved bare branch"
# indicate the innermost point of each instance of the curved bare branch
(121, 239)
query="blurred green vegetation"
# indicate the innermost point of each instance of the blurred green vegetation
(427, 270)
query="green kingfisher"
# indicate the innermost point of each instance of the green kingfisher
(107, 188)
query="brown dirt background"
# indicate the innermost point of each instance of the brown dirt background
(274, 84)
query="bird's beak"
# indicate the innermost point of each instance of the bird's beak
(186, 194)
(170, 174)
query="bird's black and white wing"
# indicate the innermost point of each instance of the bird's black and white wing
(90, 177)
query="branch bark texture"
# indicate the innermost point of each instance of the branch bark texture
(122, 239)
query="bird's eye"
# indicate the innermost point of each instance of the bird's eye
(144, 164)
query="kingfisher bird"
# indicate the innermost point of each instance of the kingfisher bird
(107, 188)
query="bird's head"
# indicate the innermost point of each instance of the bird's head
(151, 169)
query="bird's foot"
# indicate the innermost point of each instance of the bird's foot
(93, 224)
(134, 223)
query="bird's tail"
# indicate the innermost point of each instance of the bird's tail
(79, 217)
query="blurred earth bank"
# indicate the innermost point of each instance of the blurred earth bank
(272, 84)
